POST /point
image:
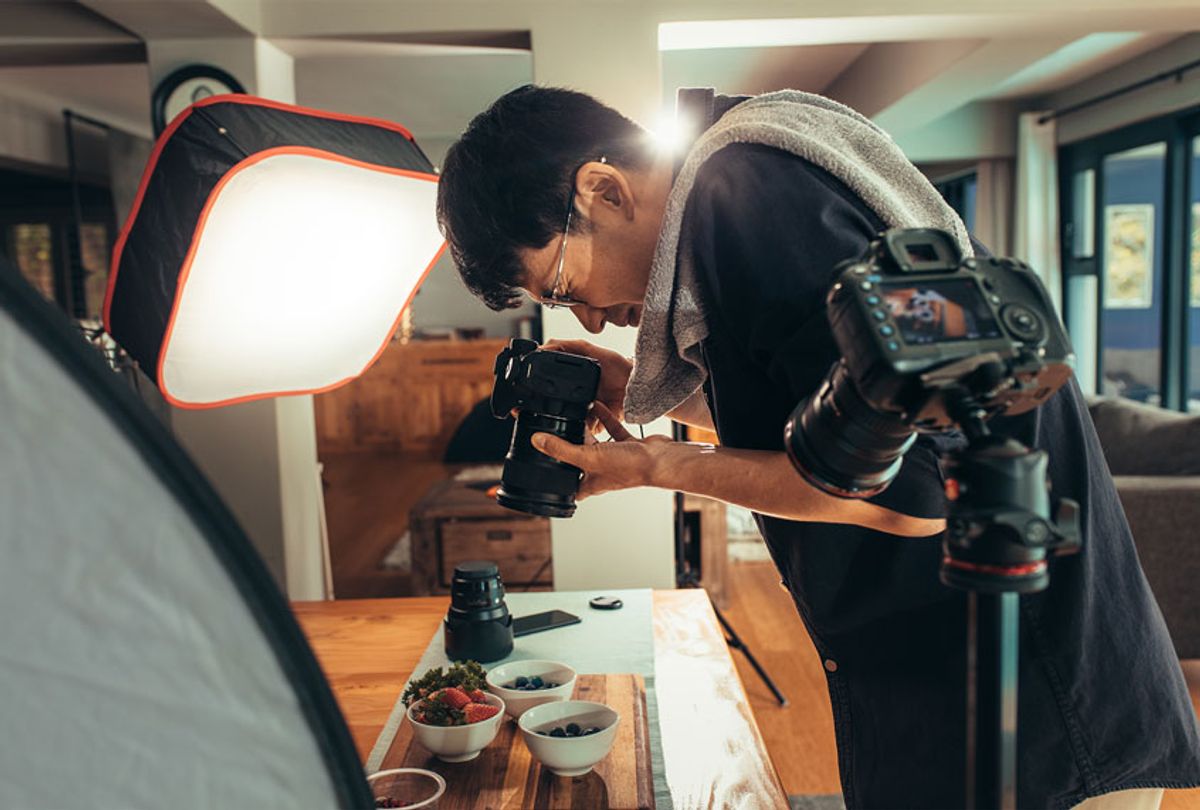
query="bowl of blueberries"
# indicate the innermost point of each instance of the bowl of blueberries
(525, 684)
(571, 736)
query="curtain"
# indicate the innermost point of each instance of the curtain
(1035, 233)
(994, 204)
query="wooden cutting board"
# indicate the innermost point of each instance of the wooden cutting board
(505, 774)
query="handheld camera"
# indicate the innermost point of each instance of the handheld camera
(551, 392)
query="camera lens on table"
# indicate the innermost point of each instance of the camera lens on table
(478, 626)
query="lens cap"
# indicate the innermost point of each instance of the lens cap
(476, 569)
(605, 603)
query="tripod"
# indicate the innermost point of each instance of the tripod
(686, 576)
(997, 537)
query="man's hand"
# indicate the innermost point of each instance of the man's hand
(607, 466)
(763, 481)
(614, 372)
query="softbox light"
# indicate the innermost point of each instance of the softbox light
(147, 658)
(271, 250)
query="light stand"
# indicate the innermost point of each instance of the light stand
(687, 577)
(998, 535)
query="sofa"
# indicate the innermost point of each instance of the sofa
(1154, 457)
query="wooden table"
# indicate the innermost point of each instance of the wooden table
(713, 752)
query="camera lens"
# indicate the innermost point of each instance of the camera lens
(478, 625)
(843, 446)
(533, 481)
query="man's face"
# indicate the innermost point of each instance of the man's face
(604, 267)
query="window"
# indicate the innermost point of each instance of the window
(38, 234)
(959, 192)
(33, 253)
(1131, 259)
(1193, 315)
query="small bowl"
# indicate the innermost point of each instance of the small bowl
(517, 701)
(458, 743)
(416, 786)
(569, 756)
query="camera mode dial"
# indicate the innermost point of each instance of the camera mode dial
(1023, 322)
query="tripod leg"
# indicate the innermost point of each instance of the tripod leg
(992, 650)
(735, 641)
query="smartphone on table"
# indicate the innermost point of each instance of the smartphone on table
(537, 622)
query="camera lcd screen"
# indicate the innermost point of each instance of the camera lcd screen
(939, 311)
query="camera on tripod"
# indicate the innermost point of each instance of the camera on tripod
(919, 328)
(551, 392)
(931, 342)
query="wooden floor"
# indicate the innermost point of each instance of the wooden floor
(367, 502)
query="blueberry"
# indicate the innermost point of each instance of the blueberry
(536, 681)
(557, 732)
(551, 685)
(592, 730)
(521, 681)
(573, 729)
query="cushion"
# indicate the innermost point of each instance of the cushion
(1143, 439)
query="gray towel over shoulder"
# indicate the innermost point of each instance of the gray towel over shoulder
(667, 364)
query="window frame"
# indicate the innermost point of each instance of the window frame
(1177, 131)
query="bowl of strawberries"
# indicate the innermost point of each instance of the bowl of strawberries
(450, 713)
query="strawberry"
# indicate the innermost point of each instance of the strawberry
(477, 696)
(479, 711)
(454, 697)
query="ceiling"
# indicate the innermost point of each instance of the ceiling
(437, 66)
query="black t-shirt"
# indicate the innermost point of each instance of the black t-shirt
(768, 228)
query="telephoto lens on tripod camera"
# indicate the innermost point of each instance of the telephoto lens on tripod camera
(842, 445)
(551, 392)
(478, 626)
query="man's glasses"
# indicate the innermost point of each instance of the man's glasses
(556, 298)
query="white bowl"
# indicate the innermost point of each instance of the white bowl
(569, 756)
(417, 786)
(458, 743)
(518, 702)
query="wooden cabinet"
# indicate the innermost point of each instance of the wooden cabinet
(457, 521)
(411, 401)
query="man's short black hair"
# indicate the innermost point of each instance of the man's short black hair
(506, 183)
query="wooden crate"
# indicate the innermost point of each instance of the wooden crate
(520, 546)
(456, 521)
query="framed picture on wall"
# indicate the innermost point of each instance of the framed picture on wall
(1195, 254)
(1129, 256)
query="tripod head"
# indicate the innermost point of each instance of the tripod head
(1000, 528)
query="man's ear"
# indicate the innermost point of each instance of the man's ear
(603, 189)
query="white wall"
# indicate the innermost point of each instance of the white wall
(35, 135)
(974, 131)
(620, 539)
